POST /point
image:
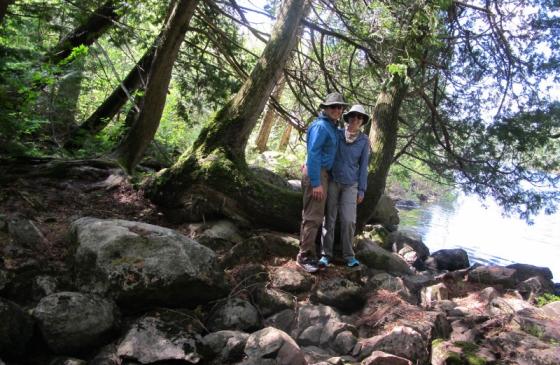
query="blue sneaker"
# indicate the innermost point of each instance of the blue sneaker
(324, 261)
(352, 262)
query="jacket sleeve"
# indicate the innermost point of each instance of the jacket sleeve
(315, 139)
(363, 171)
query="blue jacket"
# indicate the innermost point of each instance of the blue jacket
(351, 162)
(321, 148)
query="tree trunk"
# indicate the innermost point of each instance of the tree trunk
(213, 178)
(113, 104)
(86, 33)
(132, 148)
(3, 8)
(268, 120)
(383, 140)
(285, 139)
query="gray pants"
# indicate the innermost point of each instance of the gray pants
(341, 200)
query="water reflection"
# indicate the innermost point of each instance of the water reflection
(488, 237)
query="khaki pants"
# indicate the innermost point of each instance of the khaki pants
(312, 214)
(341, 202)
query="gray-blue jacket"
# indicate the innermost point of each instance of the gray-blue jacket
(351, 162)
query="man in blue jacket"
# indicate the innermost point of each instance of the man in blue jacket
(321, 149)
(347, 185)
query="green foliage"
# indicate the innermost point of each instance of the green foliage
(547, 298)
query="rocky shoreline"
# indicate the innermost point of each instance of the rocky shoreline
(136, 293)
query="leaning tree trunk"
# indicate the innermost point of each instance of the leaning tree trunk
(285, 139)
(383, 139)
(86, 33)
(213, 179)
(135, 80)
(268, 120)
(132, 147)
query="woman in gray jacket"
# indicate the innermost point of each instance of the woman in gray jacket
(347, 185)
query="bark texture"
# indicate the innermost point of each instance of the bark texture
(3, 8)
(285, 139)
(268, 120)
(87, 32)
(383, 140)
(133, 146)
(213, 178)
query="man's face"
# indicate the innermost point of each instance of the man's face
(333, 112)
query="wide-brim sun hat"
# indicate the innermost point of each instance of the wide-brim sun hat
(356, 109)
(333, 99)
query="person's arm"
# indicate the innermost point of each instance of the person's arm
(315, 139)
(363, 172)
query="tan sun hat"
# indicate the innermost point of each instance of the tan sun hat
(356, 109)
(333, 99)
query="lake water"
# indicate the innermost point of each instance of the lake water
(487, 236)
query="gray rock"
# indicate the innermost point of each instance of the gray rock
(271, 343)
(340, 293)
(385, 212)
(160, 338)
(43, 285)
(525, 271)
(370, 254)
(383, 358)
(450, 259)
(410, 247)
(552, 309)
(316, 355)
(493, 275)
(344, 342)
(445, 352)
(25, 232)
(393, 284)
(224, 346)
(270, 301)
(433, 293)
(283, 320)
(401, 341)
(261, 247)
(106, 356)
(311, 315)
(143, 265)
(68, 361)
(73, 322)
(235, 314)
(16, 329)
(217, 235)
(535, 286)
(291, 280)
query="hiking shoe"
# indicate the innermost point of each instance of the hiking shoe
(324, 261)
(307, 264)
(352, 262)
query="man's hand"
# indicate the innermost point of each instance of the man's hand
(359, 199)
(318, 193)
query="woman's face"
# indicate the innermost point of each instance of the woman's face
(355, 121)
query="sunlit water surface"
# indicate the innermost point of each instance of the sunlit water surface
(487, 236)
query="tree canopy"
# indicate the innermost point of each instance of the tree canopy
(464, 92)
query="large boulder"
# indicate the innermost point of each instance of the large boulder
(73, 322)
(16, 329)
(291, 280)
(142, 265)
(373, 256)
(273, 344)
